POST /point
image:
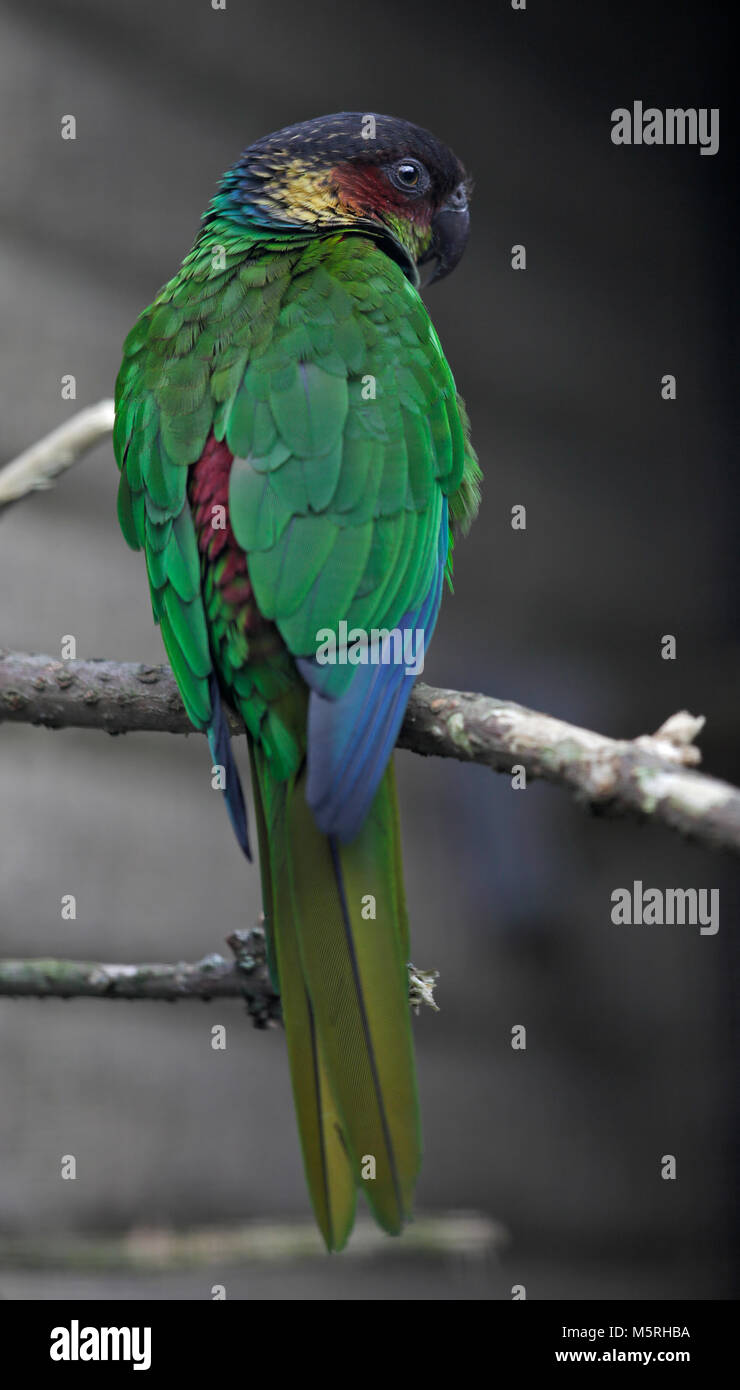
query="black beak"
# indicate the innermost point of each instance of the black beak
(450, 228)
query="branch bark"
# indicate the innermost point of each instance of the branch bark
(245, 977)
(650, 777)
(213, 977)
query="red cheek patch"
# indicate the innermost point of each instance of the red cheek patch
(364, 190)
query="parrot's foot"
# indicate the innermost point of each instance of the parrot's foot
(421, 988)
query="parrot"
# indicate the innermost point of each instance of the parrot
(295, 459)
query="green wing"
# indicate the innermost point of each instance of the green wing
(321, 369)
(182, 361)
(347, 433)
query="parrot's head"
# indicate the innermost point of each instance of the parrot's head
(368, 173)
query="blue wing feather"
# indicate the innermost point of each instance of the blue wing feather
(350, 739)
(219, 739)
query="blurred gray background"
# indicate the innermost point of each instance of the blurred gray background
(632, 1032)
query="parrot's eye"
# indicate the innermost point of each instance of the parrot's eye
(409, 175)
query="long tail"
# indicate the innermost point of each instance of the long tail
(339, 941)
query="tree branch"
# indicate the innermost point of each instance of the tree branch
(245, 977)
(649, 777)
(145, 1249)
(213, 977)
(38, 466)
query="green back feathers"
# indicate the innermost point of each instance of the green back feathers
(320, 368)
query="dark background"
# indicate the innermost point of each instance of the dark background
(631, 534)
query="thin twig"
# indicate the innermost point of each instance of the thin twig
(245, 977)
(471, 1235)
(38, 466)
(213, 977)
(650, 777)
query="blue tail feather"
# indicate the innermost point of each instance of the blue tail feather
(219, 739)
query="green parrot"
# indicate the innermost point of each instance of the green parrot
(294, 457)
